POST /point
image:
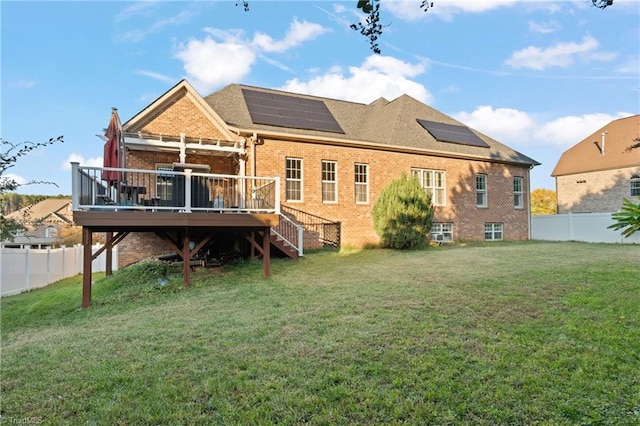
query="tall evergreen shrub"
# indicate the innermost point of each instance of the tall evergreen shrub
(403, 214)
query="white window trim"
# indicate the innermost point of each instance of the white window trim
(493, 231)
(50, 232)
(634, 185)
(482, 191)
(334, 182)
(520, 193)
(364, 184)
(433, 188)
(440, 234)
(301, 180)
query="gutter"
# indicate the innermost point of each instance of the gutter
(372, 145)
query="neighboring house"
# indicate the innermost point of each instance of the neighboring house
(595, 175)
(333, 158)
(43, 222)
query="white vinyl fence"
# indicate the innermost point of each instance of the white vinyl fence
(587, 227)
(26, 269)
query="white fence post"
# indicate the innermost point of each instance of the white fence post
(26, 267)
(48, 265)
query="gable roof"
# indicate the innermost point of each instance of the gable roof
(50, 210)
(384, 124)
(587, 155)
(181, 90)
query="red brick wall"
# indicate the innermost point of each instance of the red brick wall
(357, 225)
(140, 245)
(183, 116)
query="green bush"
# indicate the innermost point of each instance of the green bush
(628, 218)
(403, 214)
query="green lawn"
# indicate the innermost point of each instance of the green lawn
(486, 334)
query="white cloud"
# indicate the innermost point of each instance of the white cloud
(78, 158)
(298, 33)
(156, 76)
(502, 124)
(143, 30)
(140, 8)
(224, 57)
(567, 131)
(558, 55)
(630, 66)
(23, 84)
(410, 10)
(522, 129)
(544, 27)
(378, 76)
(210, 63)
(8, 177)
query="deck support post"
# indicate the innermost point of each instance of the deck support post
(109, 253)
(186, 260)
(86, 267)
(266, 252)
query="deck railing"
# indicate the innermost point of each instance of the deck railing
(108, 188)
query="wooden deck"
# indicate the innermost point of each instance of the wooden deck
(178, 229)
(148, 220)
(185, 206)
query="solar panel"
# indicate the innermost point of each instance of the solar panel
(289, 111)
(452, 133)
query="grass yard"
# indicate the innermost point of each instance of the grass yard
(486, 334)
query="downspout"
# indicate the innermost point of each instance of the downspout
(183, 148)
(254, 142)
(529, 201)
(603, 136)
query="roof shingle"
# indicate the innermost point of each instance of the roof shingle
(587, 156)
(391, 123)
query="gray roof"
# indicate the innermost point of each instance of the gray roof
(391, 123)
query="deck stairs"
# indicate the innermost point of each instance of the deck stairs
(298, 230)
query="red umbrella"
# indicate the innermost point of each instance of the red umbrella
(111, 148)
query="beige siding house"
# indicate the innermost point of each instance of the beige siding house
(595, 175)
(43, 222)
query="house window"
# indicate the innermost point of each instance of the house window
(634, 185)
(442, 232)
(517, 192)
(481, 190)
(164, 182)
(329, 181)
(50, 232)
(433, 182)
(362, 183)
(293, 179)
(493, 231)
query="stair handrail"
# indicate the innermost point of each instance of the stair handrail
(299, 233)
(311, 221)
(293, 211)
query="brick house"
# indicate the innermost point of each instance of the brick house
(334, 157)
(596, 174)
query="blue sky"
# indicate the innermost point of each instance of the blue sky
(538, 76)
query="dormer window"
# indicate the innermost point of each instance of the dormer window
(51, 232)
